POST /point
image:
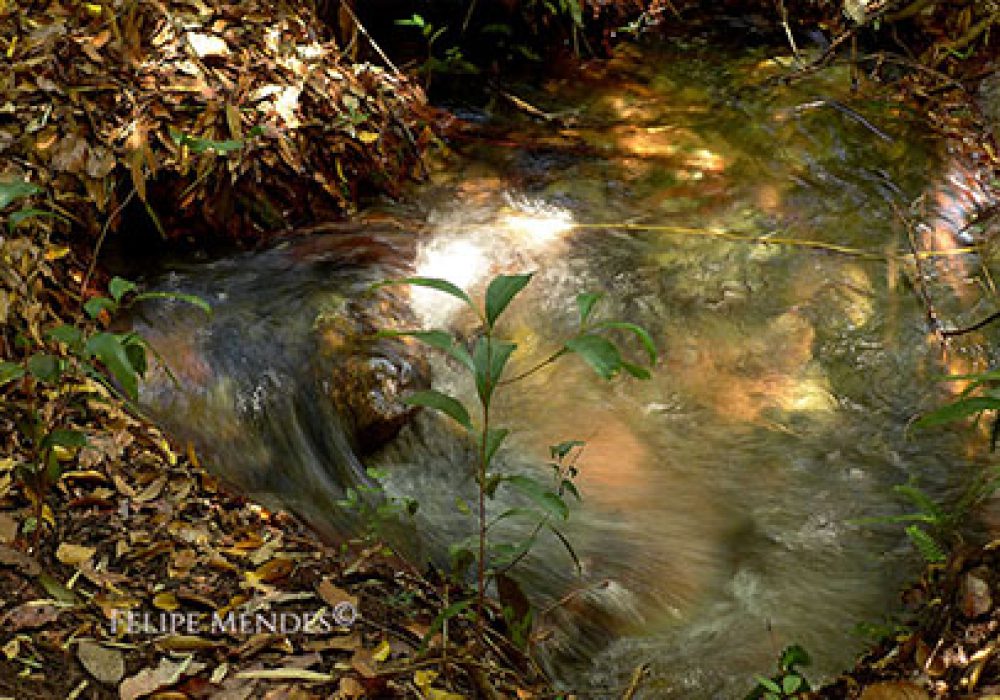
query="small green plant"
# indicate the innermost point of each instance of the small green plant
(55, 370)
(377, 512)
(788, 682)
(452, 60)
(931, 527)
(486, 363)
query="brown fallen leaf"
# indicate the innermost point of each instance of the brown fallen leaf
(152, 491)
(332, 595)
(105, 665)
(31, 615)
(165, 674)
(19, 560)
(350, 689)
(8, 528)
(274, 570)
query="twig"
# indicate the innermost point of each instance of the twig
(378, 49)
(638, 675)
(970, 36)
(974, 327)
(847, 111)
(100, 240)
(783, 11)
(533, 111)
(920, 281)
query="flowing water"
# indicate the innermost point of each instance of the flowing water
(719, 497)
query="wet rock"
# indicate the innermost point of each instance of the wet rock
(975, 595)
(366, 376)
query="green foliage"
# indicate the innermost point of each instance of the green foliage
(11, 192)
(58, 370)
(788, 682)
(200, 145)
(981, 395)
(543, 503)
(377, 512)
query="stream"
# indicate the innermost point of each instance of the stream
(721, 498)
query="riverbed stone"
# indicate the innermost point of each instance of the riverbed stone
(366, 376)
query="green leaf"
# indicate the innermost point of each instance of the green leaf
(11, 191)
(462, 506)
(794, 655)
(19, 217)
(453, 610)
(108, 348)
(639, 332)
(514, 513)
(500, 292)
(200, 145)
(489, 358)
(9, 372)
(636, 371)
(929, 549)
(768, 684)
(95, 306)
(548, 501)
(46, 368)
(71, 335)
(957, 411)
(441, 402)
(119, 287)
(440, 340)
(494, 437)
(433, 283)
(177, 296)
(598, 352)
(585, 304)
(919, 499)
(136, 353)
(415, 21)
(64, 438)
(790, 684)
(564, 448)
(569, 487)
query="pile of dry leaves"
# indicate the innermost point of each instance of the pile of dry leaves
(238, 117)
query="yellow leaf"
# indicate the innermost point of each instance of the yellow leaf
(273, 570)
(73, 554)
(435, 694)
(166, 601)
(47, 516)
(13, 42)
(93, 9)
(367, 136)
(423, 679)
(54, 252)
(382, 651)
